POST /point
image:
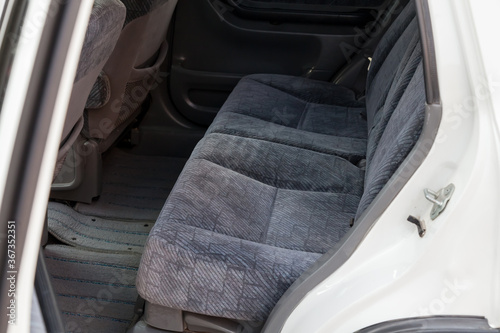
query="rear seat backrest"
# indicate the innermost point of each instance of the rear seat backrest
(390, 51)
(403, 76)
(398, 139)
(387, 94)
(389, 39)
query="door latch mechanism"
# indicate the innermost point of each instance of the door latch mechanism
(439, 199)
(422, 229)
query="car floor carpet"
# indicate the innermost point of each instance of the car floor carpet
(135, 187)
(95, 291)
(95, 233)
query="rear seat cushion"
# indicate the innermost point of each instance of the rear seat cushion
(280, 165)
(230, 204)
(234, 196)
(206, 272)
(305, 113)
(250, 198)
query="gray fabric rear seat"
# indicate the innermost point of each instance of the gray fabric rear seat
(264, 195)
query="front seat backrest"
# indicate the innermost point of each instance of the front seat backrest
(103, 31)
(132, 68)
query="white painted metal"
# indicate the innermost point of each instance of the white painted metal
(455, 268)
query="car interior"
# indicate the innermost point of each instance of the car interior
(214, 150)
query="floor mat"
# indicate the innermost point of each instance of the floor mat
(95, 233)
(134, 186)
(95, 291)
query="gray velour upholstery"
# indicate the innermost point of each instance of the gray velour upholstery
(273, 184)
(296, 111)
(398, 139)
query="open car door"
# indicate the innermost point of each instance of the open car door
(40, 46)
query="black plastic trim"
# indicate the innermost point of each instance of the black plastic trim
(310, 6)
(278, 17)
(442, 324)
(430, 63)
(310, 13)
